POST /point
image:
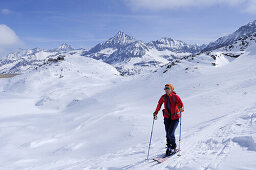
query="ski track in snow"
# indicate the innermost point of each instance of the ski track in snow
(199, 151)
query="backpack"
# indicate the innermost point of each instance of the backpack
(165, 98)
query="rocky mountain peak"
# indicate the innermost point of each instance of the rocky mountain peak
(122, 38)
(65, 46)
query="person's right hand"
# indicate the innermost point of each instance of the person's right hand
(155, 115)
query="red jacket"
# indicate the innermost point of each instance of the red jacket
(175, 114)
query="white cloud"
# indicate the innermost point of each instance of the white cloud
(251, 7)
(5, 11)
(8, 39)
(247, 5)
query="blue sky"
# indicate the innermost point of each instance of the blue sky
(84, 23)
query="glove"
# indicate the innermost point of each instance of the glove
(155, 115)
(181, 109)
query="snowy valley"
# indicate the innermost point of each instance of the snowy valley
(93, 108)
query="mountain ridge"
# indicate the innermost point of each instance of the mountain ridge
(228, 39)
(124, 52)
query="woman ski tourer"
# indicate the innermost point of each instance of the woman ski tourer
(173, 107)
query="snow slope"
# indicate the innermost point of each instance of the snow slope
(57, 85)
(92, 118)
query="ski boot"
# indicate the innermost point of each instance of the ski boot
(168, 150)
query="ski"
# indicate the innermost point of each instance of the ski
(162, 159)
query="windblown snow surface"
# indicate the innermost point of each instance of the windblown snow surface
(80, 114)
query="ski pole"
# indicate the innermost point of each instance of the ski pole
(180, 134)
(154, 118)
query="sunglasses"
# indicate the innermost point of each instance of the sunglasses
(167, 88)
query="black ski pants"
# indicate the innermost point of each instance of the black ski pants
(170, 127)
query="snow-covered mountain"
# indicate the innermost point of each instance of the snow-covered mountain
(128, 55)
(229, 39)
(24, 60)
(119, 40)
(174, 45)
(117, 49)
(123, 44)
(64, 47)
(241, 44)
(131, 56)
(218, 57)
